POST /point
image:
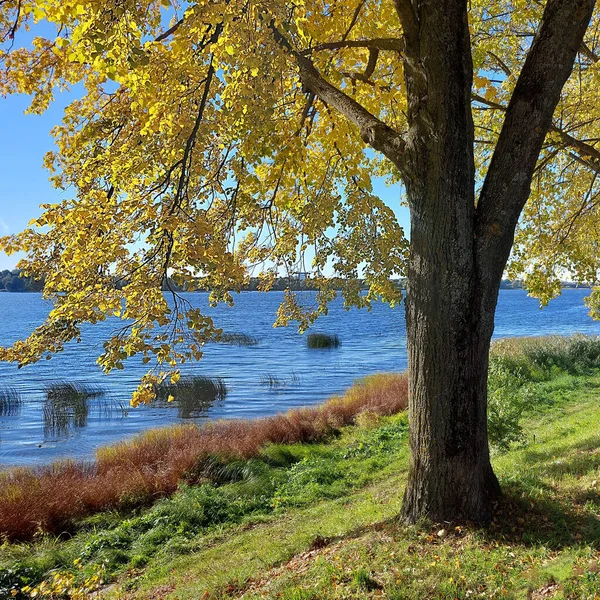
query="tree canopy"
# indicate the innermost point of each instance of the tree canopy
(217, 136)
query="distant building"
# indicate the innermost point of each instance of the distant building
(302, 275)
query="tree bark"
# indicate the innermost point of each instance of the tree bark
(459, 248)
(450, 474)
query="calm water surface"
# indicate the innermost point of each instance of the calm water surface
(371, 342)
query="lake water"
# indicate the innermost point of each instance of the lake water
(371, 342)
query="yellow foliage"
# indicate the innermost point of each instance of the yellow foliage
(64, 584)
(196, 155)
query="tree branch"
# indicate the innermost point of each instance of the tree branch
(408, 19)
(169, 32)
(372, 130)
(589, 53)
(393, 44)
(584, 149)
(528, 118)
(373, 56)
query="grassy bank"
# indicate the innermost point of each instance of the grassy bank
(317, 520)
(544, 542)
(137, 473)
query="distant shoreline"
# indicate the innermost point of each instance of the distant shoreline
(13, 282)
(566, 286)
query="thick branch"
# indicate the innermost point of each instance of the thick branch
(393, 44)
(408, 19)
(528, 118)
(583, 149)
(373, 131)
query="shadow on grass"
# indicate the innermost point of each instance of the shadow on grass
(579, 460)
(533, 511)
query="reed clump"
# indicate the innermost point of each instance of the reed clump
(66, 406)
(237, 339)
(274, 382)
(10, 403)
(152, 465)
(323, 340)
(192, 395)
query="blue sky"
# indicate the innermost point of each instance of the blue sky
(24, 182)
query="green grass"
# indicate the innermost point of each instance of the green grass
(319, 521)
(545, 538)
(282, 477)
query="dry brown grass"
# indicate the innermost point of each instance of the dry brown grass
(48, 499)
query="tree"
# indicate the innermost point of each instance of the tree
(221, 134)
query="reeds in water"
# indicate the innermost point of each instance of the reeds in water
(274, 382)
(66, 407)
(192, 395)
(237, 339)
(10, 403)
(322, 340)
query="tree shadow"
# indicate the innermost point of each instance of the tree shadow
(534, 511)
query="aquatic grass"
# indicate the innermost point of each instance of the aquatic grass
(155, 463)
(237, 339)
(192, 395)
(323, 340)
(10, 403)
(66, 406)
(274, 382)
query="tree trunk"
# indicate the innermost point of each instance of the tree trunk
(458, 250)
(450, 475)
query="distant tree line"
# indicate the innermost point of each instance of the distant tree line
(517, 285)
(11, 281)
